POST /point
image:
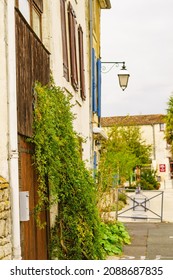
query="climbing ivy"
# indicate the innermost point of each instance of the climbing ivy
(63, 178)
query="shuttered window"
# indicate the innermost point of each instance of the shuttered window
(94, 81)
(81, 63)
(64, 40)
(72, 39)
(96, 84)
(99, 88)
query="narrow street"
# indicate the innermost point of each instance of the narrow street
(151, 239)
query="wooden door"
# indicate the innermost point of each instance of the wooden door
(32, 64)
(34, 240)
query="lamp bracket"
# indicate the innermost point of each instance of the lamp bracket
(107, 69)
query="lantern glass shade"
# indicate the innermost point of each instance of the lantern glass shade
(123, 77)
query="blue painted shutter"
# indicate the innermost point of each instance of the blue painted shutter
(99, 88)
(95, 160)
(95, 165)
(94, 100)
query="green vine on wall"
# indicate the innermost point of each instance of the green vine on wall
(63, 178)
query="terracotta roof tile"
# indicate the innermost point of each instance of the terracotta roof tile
(132, 120)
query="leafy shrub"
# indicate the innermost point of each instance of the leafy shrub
(148, 180)
(114, 236)
(122, 197)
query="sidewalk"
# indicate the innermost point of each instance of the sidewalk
(168, 205)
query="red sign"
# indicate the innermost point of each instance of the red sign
(162, 167)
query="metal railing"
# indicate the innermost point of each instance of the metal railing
(141, 204)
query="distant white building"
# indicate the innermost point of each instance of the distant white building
(152, 128)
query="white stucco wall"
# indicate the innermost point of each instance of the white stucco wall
(160, 153)
(52, 40)
(3, 94)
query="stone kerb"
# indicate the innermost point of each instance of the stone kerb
(5, 221)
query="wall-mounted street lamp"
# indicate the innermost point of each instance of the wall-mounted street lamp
(123, 74)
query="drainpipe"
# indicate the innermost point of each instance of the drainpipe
(91, 46)
(12, 129)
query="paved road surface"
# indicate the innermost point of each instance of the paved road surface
(151, 239)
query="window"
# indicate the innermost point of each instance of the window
(162, 126)
(72, 41)
(64, 40)
(24, 7)
(72, 48)
(32, 11)
(36, 21)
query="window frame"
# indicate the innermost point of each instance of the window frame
(37, 6)
(64, 40)
(72, 44)
(162, 126)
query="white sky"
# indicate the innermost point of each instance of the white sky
(139, 32)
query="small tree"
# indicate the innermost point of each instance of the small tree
(138, 147)
(148, 180)
(123, 151)
(169, 123)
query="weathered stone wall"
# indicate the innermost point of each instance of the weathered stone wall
(5, 221)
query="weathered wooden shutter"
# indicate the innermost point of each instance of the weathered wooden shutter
(99, 88)
(31, 56)
(72, 38)
(64, 40)
(81, 63)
